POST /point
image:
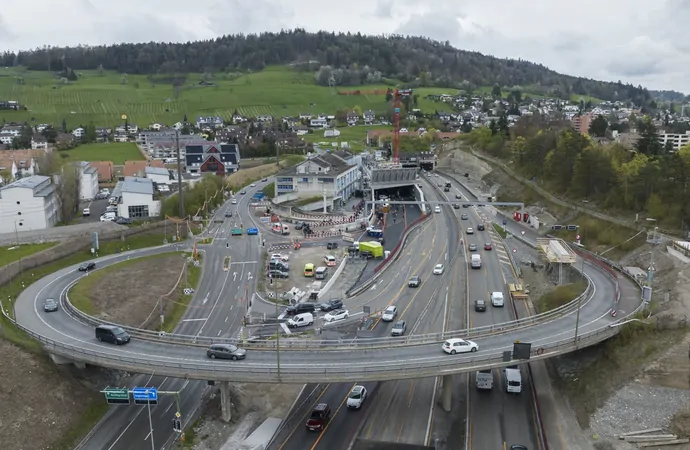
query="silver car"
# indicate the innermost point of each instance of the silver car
(50, 305)
(226, 351)
(399, 328)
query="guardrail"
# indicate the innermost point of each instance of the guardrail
(311, 373)
(288, 344)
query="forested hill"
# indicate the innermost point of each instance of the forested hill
(364, 59)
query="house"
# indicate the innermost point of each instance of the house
(29, 204)
(320, 122)
(352, 118)
(120, 137)
(331, 133)
(38, 142)
(42, 127)
(237, 119)
(221, 159)
(156, 127)
(369, 117)
(581, 123)
(158, 175)
(9, 104)
(64, 140)
(211, 122)
(327, 173)
(135, 198)
(264, 118)
(138, 168)
(127, 128)
(9, 132)
(104, 169)
(88, 180)
(79, 133)
(15, 164)
(305, 116)
(676, 140)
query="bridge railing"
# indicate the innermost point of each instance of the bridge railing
(343, 344)
(369, 368)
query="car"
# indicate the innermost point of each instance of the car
(233, 201)
(480, 227)
(252, 185)
(389, 314)
(438, 269)
(228, 214)
(473, 247)
(280, 257)
(86, 212)
(319, 417)
(470, 230)
(480, 305)
(457, 345)
(464, 217)
(497, 299)
(338, 314)
(415, 281)
(226, 351)
(243, 192)
(456, 206)
(276, 273)
(399, 328)
(87, 266)
(356, 397)
(50, 305)
(487, 246)
(458, 197)
(113, 334)
(518, 447)
(300, 308)
(332, 245)
(437, 209)
(332, 304)
(123, 220)
(264, 179)
(107, 218)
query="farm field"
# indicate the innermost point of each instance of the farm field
(573, 97)
(104, 98)
(117, 152)
(354, 136)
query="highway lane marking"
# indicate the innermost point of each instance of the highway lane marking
(332, 418)
(300, 424)
(226, 319)
(220, 294)
(192, 320)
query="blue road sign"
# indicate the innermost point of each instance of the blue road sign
(252, 231)
(505, 222)
(145, 395)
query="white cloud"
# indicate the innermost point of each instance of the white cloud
(636, 41)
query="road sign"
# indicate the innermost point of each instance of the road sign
(577, 237)
(145, 395)
(572, 227)
(178, 415)
(514, 250)
(522, 232)
(117, 396)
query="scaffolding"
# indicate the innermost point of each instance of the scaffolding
(557, 253)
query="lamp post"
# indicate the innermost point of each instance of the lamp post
(650, 270)
(579, 302)
(275, 298)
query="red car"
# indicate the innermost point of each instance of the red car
(319, 418)
(487, 246)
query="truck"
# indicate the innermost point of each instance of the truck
(484, 379)
(446, 188)
(513, 379)
(373, 247)
(476, 261)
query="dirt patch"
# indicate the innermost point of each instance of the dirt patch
(42, 404)
(252, 404)
(129, 294)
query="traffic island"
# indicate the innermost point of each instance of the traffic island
(151, 292)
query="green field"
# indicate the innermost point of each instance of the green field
(15, 253)
(486, 90)
(103, 98)
(117, 152)
(354, 136)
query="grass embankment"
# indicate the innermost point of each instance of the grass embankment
(117, 152)
(10, 291)
(179, 308)
(244, 177)
(600, 236)
(14, 253)
(93, 414)
(560, 296)
(499, 229)
(269, 190)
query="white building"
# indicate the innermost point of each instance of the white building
(88, 180)
(28, 204)
(39, 143)
(79, 132)
(135, 198)
(326, 172)
(211, 122)
(678, 140)
(158, 175)
(8, 133)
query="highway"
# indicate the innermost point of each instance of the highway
(423, 309)
(216, 310)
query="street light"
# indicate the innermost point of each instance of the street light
(275, 300)
(579, 301)
(650, 270)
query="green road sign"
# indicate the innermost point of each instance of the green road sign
(117, 396)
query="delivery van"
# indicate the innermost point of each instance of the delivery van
(484, 379)
(321, 273)
(513, 380)
(476, 261)
(309, 270)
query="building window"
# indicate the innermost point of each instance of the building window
(285, 187)
(325, 180)
(305, 180)
(138, 211)
(284, 180)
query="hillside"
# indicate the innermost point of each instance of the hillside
(355, 59)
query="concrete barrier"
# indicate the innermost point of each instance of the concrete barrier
(336, 274)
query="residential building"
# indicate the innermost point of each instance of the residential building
(28, 204)
(264, 118)
(9, 132)
(88, 180)
(156, 127)
(676, 140)
(327, 173)
(163, 144)
(581, 123)
(78, 132)
(16, 164)
(369, 117)
(320, 122)
(105, 169)
(211, 122)
(9, 104)
(158, 175)
(135, 198)
(352, 118)
(64, 140)
(237, 119)
(138, 168)
(38, 142)
(128, 128)
(221, 159)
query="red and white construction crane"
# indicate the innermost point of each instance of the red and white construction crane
(397, 96)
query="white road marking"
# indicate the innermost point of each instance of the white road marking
(220, 331)
(285, 328)
(193, 320)
(226, 319)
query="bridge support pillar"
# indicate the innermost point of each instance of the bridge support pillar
(225, 401)
(61, 361)
(446, 395)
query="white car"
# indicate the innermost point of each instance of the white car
(438, 270)
(338, 314)
(470, 230)
(356, 397)
(389, 314)
(234, 201)
(252, 185)
(86, 212)
(458, 345)
(437, 209)
(280, 257)
(497, 299)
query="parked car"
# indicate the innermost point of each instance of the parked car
(332, 304)
(226, 351)
(87, 266)
(300, 308)
(356, 397)
(338, 314)
(280, 257)
(50, 305)
(123, 220)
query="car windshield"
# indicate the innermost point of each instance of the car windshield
(50, 301)
(119, 331)
(397, 325)
(316, 414)
(389, 311)
(356, 394)
(513, 383)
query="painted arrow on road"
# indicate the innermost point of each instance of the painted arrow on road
(205, 298)
(249, 275)
(234, 276)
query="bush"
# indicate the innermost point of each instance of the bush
(560, 296)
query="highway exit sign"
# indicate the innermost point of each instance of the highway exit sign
(117, 396)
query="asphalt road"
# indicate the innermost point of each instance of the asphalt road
(216, 309)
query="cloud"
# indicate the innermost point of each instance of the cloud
(5, 30)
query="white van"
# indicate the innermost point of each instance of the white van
(484, 379)
(321, 273)
(497, 299)
(301, 320)
(513, 379)
(476, 261)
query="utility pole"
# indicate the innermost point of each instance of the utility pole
(148, 403)
(179, 173)
(579, 301)
(275, 297)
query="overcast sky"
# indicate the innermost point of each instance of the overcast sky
(637, 41)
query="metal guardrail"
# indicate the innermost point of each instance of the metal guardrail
(310, 373)
(339, 345)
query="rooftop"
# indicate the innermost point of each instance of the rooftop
(136, 185)
(157, 171)
(27, 183)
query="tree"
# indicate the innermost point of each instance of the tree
(64, 126)
(67, 192)
(90, 134)
(493, 127)
(598, 126)
(496, 90)
(648, 143)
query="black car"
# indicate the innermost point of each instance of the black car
(480, 227)
(480, 305)
(300, 308)
(332, 245)
(465, 205)
(123, 220)
(518, 447)
(458, 197)
(87, 266)
(228, 214)
(332, 304)
(50, 305)
(456, 206)
(415, 281)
